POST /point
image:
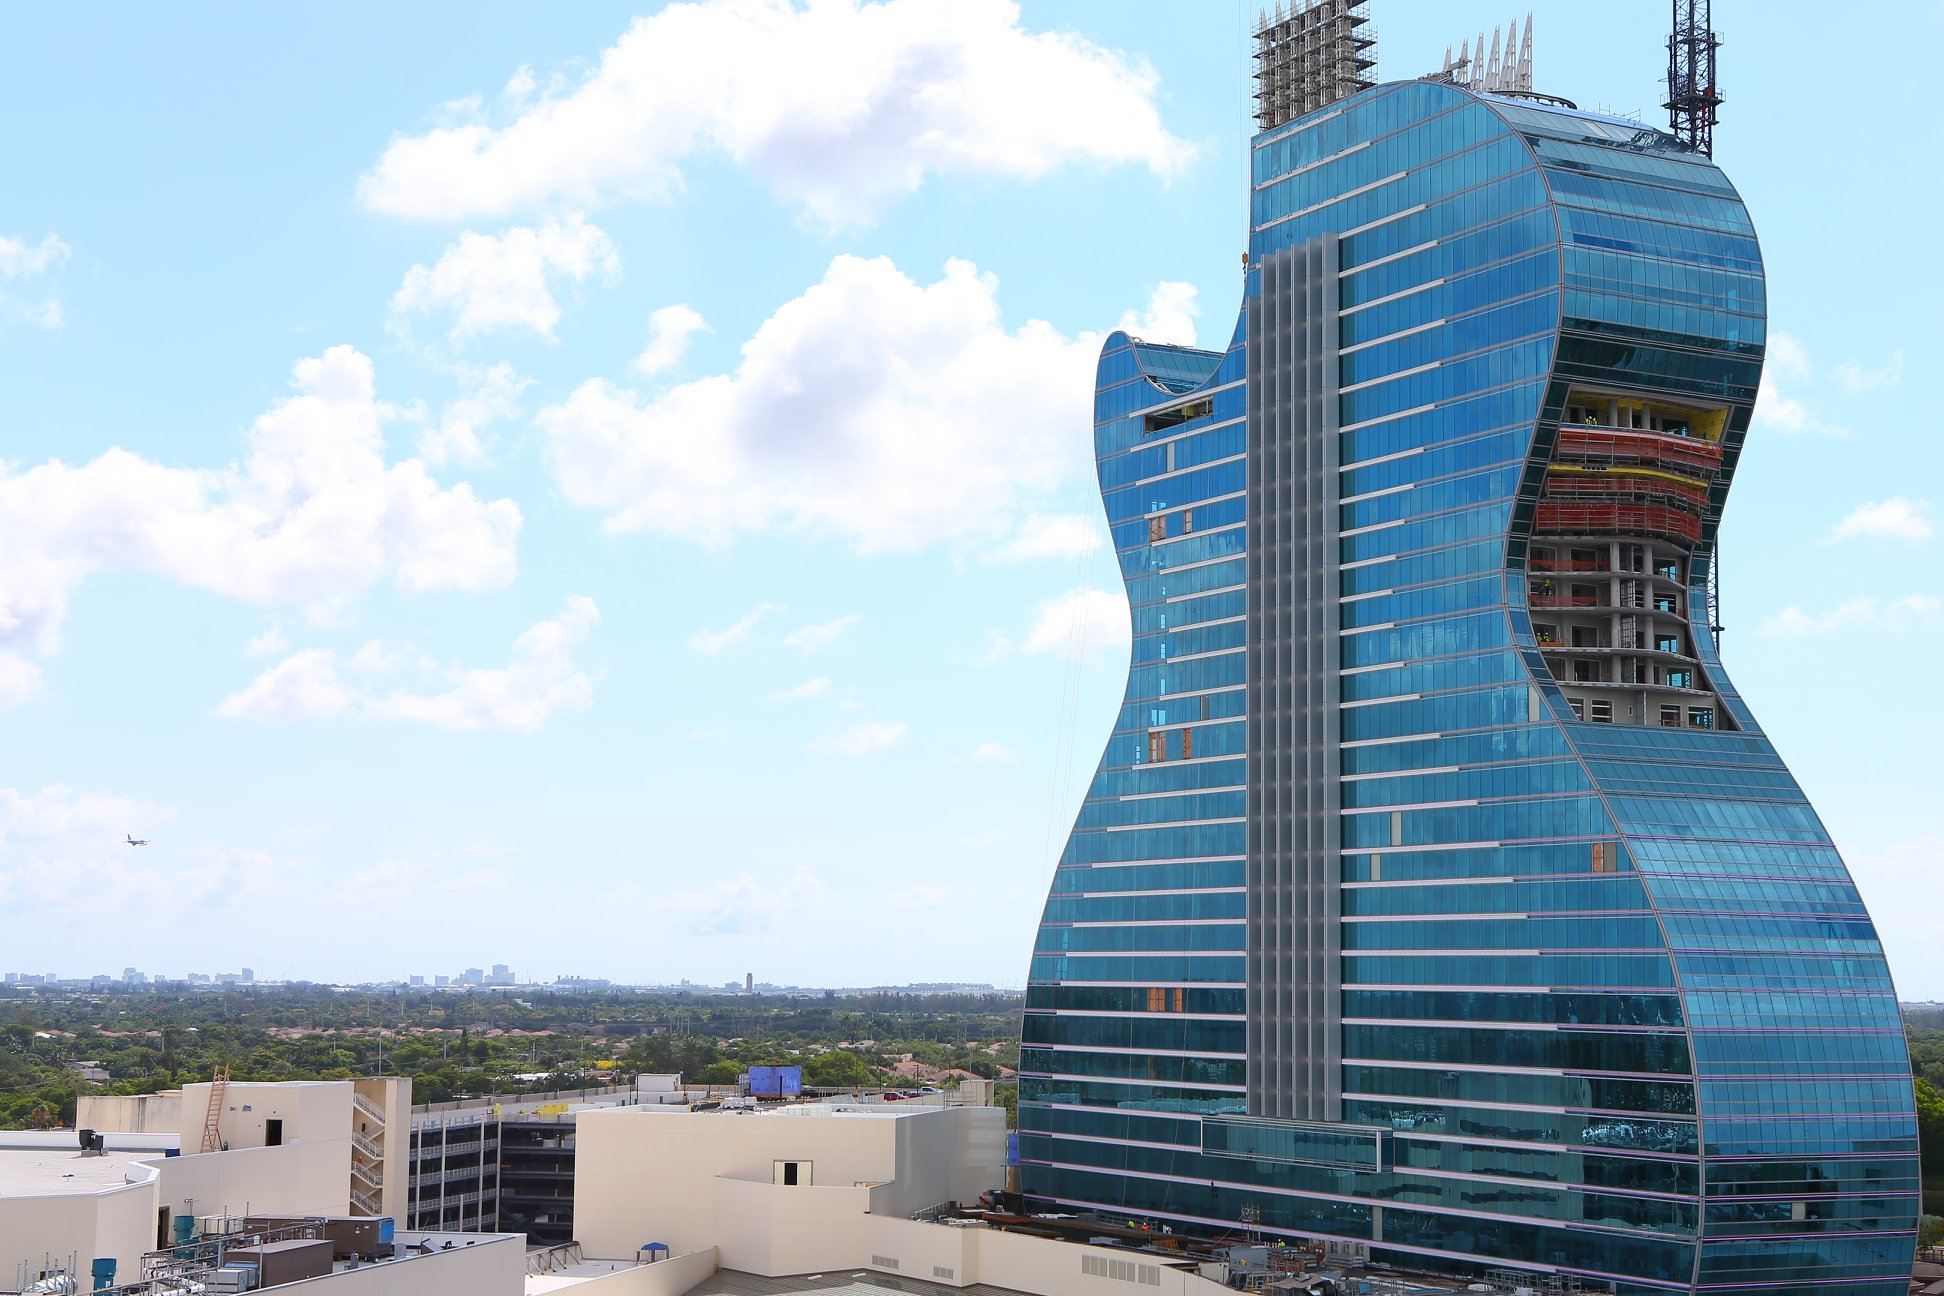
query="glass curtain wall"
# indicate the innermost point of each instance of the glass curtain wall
(1609, 1003)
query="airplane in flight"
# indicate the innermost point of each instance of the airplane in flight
(135, 841)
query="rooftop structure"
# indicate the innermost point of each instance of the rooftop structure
(1310, 55)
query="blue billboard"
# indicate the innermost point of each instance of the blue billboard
(775, 1081)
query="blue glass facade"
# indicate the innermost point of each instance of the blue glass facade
(1588, 988)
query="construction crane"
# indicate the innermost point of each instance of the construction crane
(1693, 91)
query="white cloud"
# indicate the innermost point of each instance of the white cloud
(922, 896)
(711, 642)
(808, 691)
(64, 860)
(1053, 535)
(993, 752)
(741, 904)
(820, 635)
(540, 679)
(267, 644)
(886, 412)
(1786, 359)
(1896, 518)
(1854, 376)
(839, 107)
(1080, 624)
(862, 738)
(22, 260)
(1170, 316)
(303, 686)
(505, 282)
(670, 330)
(461, 433)
(1787, 356)
(20, 680)
(1793, 622)
(311, 516)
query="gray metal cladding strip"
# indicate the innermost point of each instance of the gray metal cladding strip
(1294, 877)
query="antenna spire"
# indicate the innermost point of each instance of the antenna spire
(1693, 92)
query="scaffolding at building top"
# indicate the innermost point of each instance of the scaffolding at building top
(1309, 56)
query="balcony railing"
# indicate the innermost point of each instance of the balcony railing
(1656, 449)
(1614, 519)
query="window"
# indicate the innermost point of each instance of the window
(1670, 716)
(1602, 857)
(1700, 717)
(1187, 744)
(794, 1174)
(1187, 521)
(1680, 679)
(1601, 710)
(1545, 634)
(273, 1132)
(1157, 746)
(1161, 420)
(1668, 643)
(1579, 708)
(1157, 529)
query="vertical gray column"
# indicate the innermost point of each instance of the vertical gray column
(1294, 875)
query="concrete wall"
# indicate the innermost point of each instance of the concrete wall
(954, 1159)
(671, 1277)
(651, 1174)
(495, 1266)
(312, 1111)
(764, 1228)
(156, 1113)
(296, 1179)
(118, 1222)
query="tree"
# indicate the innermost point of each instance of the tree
(720, 1073)
(837, 1069)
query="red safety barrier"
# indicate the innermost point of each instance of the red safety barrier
(1616, 519)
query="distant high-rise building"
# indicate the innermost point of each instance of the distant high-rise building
(749, 983)
(1437, 892)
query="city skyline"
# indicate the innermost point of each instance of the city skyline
(525, 663)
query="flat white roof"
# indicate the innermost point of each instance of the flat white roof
(37, 1172)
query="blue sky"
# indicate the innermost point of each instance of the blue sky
(608, 492)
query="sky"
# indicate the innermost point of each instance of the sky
(608, 490)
